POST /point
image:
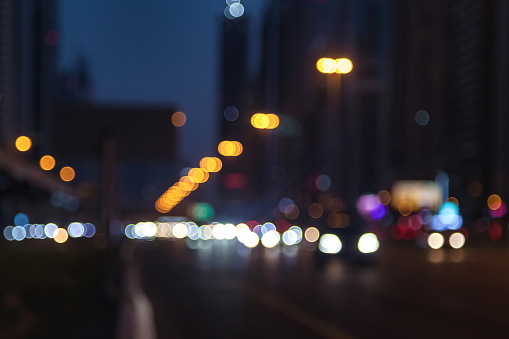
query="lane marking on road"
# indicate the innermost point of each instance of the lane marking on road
(294, 312)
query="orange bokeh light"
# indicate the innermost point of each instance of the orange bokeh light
(67, 173)
(178, 119)
(60, 235)
(230, 148)
(211, 164)
(265, 121)
(47, 162)
(494, 202)
(23, 143)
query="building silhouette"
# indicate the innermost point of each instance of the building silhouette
(426, 95)
(120, 162)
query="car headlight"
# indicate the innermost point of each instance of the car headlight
(368, 243)
(329, 243)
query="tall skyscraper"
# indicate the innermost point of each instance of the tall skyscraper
(443, 66)
(338, 118)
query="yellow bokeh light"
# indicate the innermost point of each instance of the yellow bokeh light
(260, 120)
(23, 143)
(494, 202)
(226, 148)
(326, 65)
(178, 119)
(161, 208)
(198, 175)
(238, 147)
(67, 173)
(343, 66)
(207, 164)
(273, 121)
(265, 121)
(319, 65)
(171, 201)
(211, 164)
(47, 162)
(175, 190)
(187, 184)
(329, 66)
(230, 148)
(170, 196)
(179, 192)
(60, 235)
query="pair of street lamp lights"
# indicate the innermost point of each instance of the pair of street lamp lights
(332, 115)
(330, 66)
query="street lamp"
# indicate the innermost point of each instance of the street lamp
(334, 68)
(330, 66)
(264, 121)
(230, 148)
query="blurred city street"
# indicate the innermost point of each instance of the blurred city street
(227, 291)
(254, 169)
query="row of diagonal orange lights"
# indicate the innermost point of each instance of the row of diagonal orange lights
(187, 184)
(196, 176)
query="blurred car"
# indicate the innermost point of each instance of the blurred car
(351, 244)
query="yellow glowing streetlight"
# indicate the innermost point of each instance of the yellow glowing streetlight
(329, 65)
(326, 65)
(230, 148)
(211, 164)
(343, 66)
(265, 121)
(199, 175)
(332, 120)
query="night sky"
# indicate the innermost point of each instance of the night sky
(155, 52)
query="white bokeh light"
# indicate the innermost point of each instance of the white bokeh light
(368, 243)
(270, 239)
(76, 229)
(435, 240)
(457, 240)
(330, 243)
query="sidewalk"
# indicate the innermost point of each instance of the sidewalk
(57, 292)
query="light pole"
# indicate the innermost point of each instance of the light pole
(334, 68)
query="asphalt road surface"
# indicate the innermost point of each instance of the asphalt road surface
(219, 289)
